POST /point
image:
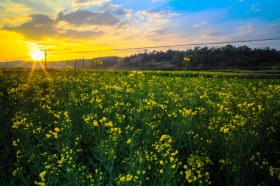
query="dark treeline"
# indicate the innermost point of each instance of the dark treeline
(209, 58)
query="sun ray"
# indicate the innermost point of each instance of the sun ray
(34, 64)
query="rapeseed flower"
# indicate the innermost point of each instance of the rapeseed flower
(42, 175)
(108, 124)
(95, 123)
(56, 129)
(55, 135)
(128, 141)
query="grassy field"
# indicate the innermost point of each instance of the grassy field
(138, 128)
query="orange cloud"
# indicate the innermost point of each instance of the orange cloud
(14, 14)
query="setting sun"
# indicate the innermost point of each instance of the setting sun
(37, 55)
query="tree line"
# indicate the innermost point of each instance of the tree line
(209, 58)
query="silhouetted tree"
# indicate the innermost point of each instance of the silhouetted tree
(203, 58)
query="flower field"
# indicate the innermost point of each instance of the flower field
(138, 128)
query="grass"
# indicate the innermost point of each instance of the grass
(138, 128)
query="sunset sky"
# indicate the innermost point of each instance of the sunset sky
(62, 26)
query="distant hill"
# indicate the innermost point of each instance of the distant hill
(107, 62)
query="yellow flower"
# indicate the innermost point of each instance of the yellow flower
(48, 135)
(109, 124)
(161, 162)
(56, 129)
(161, 171)
(128, 141)
(55, 135)
(129, 177)
(122, 179)
(188, 175)
(39, 183)
(42, 175)
(15, 143)
(103, 119)
(226, 130)
(163, 137)
(95, 123)
(175, 153)
(271, 171)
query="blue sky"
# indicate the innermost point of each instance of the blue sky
(109, 24)
(244, 9)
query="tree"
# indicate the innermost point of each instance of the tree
(186, 63)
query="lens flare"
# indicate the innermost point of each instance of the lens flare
(37, 55)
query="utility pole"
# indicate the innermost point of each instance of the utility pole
(75, 63)
(45, 59)
(45, 52)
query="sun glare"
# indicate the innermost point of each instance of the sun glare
(37, 55)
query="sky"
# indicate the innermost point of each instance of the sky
(67, 29)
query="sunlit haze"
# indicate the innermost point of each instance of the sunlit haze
(89, 28)
(37, 55)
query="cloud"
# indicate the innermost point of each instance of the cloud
(274, 28)
(219, 28)
(83, 17)
(160, 32)
(256, 7)
(39, 26)
(111, 19)
(154, 1)
(215, 34)
(197, 25)
(125, 24)
(156, 15)
(70, 33)
(109, 7)
(90, 2)
(210, 35)
(245, 29)
(14, 14)
(116, 10)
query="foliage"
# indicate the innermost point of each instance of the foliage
(211, 58)
(135, 128)
(186, 63)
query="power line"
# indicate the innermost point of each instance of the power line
(149, 47)
(265, 44)
(167, 46)
(13, 59)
